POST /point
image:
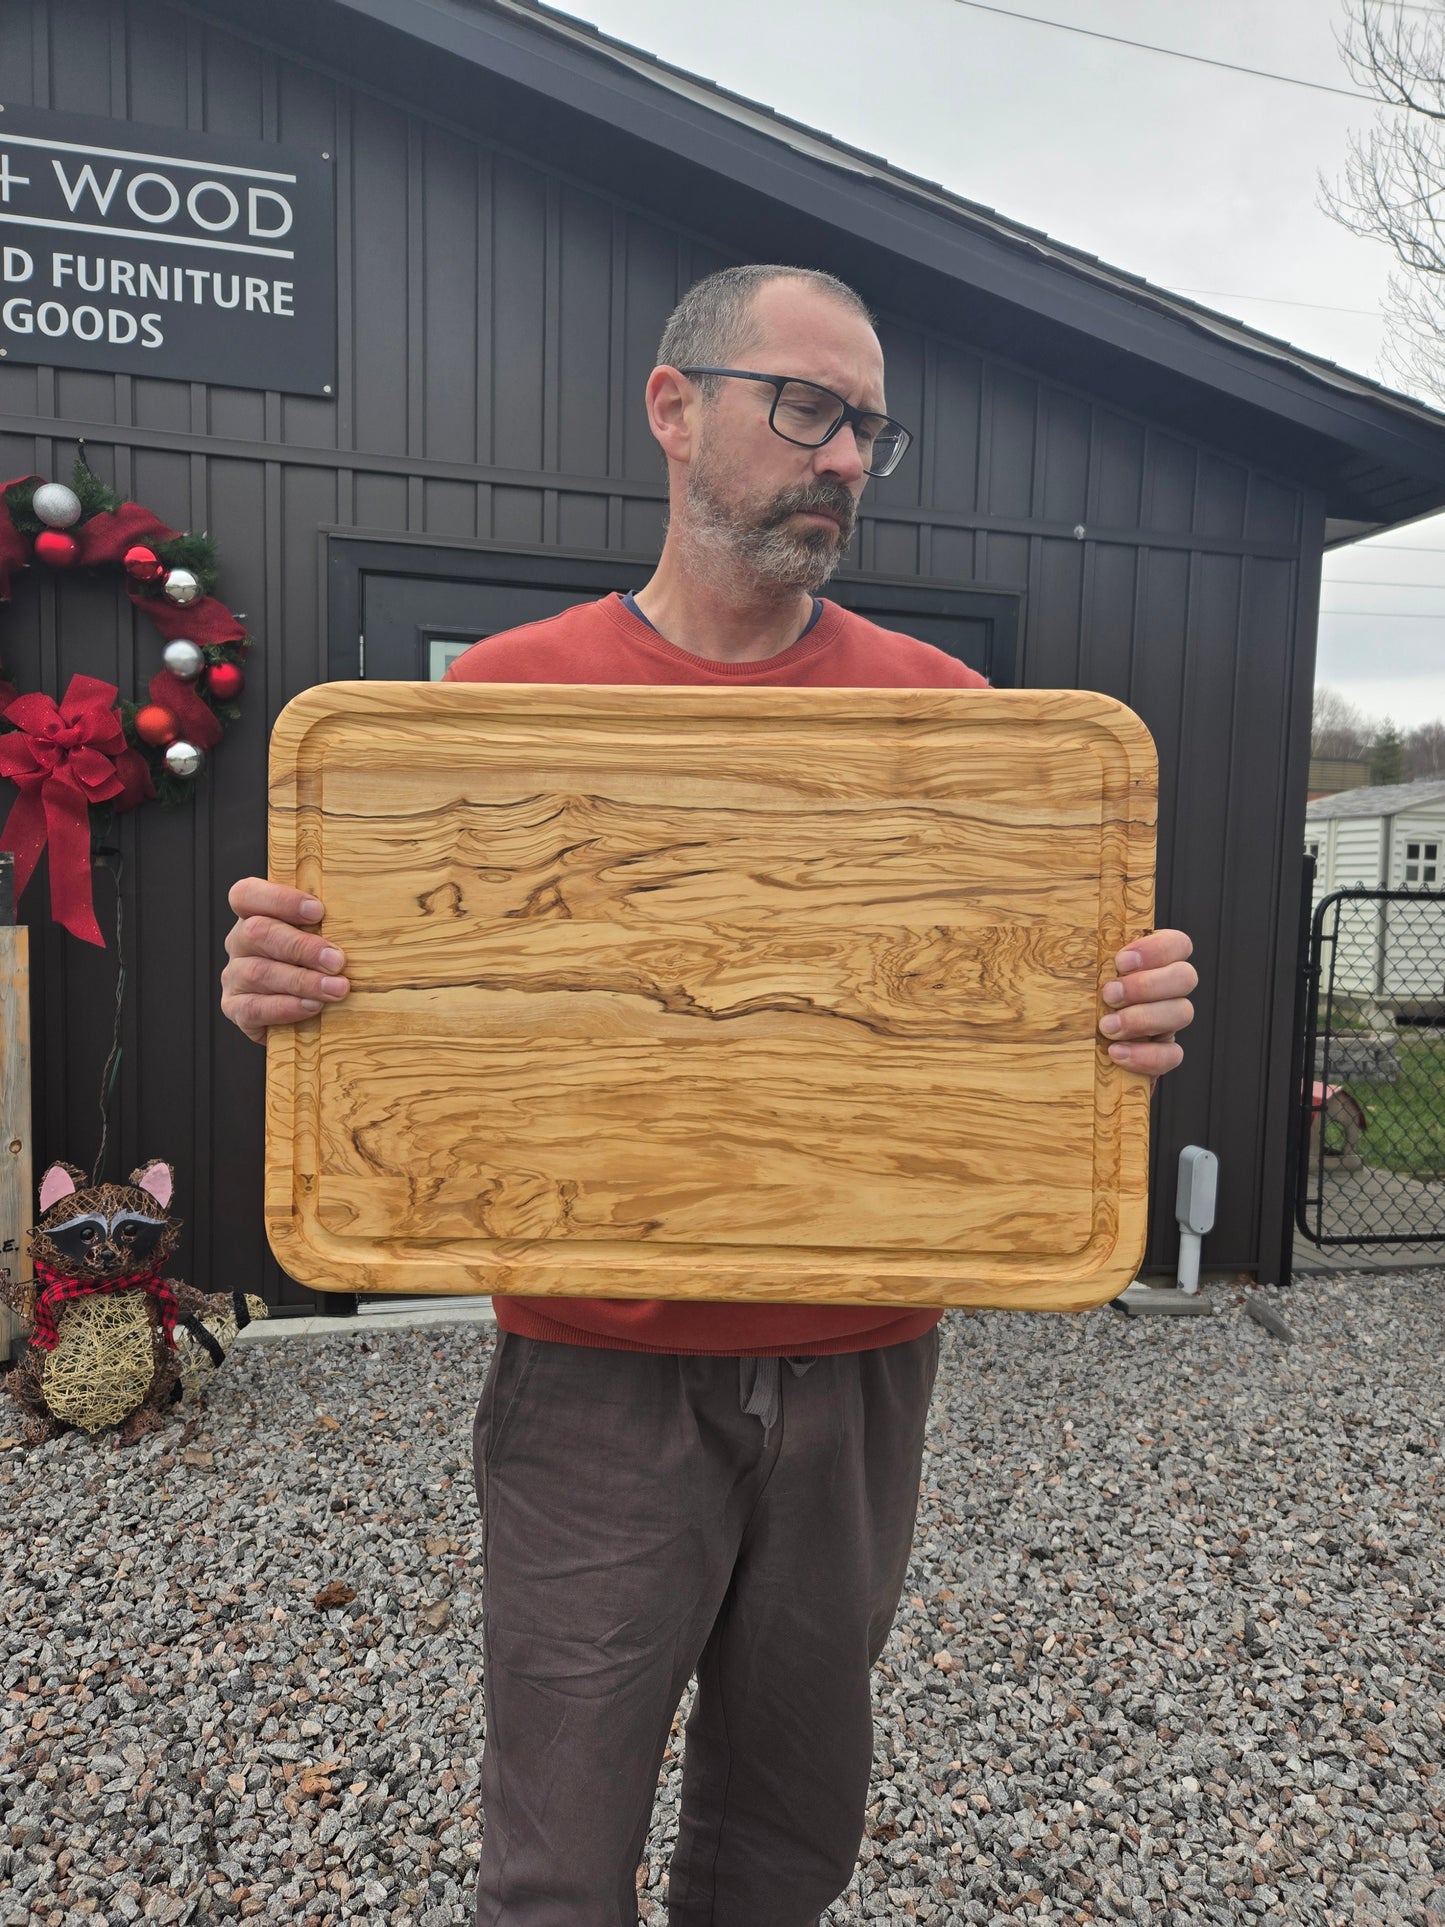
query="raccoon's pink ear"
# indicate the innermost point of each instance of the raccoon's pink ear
(58, 1182)
(158, 1178)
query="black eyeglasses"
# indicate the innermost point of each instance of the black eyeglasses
(808, 416)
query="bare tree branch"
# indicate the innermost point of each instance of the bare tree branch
(1393, 188)
(1338, 728)
(1425, 750)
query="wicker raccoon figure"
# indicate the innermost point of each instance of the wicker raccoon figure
(103, 1347)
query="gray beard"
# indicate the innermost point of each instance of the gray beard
(722, 540)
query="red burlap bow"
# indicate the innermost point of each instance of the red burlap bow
(62, 758)
(58, 1289)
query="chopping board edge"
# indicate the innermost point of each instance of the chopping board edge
(295, 782)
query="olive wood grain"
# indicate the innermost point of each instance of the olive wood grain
(778, 995)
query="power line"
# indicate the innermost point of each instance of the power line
(1391, 615)
(1398, 548)
(1374, 582)
(1173, 53)
(1278, 301)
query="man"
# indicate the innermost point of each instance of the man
(670, 1488)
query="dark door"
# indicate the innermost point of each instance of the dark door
(402, 613)
(415, 625)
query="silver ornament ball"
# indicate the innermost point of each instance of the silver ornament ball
(182, 586)
(185, 660)
(57, 506)
(184, 759)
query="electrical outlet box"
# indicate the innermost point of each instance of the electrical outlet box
(1198, 1182)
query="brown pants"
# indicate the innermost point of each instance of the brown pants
(640, 1526)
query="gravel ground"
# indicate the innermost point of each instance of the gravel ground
(1171, 1647)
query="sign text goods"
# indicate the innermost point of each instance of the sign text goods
(155, 251)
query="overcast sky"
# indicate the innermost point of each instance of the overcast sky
(1204, 181)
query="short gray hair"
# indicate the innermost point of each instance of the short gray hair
(711, 322)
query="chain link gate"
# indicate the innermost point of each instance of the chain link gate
(1371, 1122)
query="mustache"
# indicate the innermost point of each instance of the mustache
(829, 497)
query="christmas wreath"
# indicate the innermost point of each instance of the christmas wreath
(77, 760)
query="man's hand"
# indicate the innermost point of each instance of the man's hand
(280, 972)
(1149, 1002)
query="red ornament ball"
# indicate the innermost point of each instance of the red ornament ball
(56, 549)
(142, 564)
(155, 725)
(225, 681)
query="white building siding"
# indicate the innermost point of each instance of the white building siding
(1414, 965)
(1395, 952)
(1320, 837)
(1350, 853)
(1356, 851)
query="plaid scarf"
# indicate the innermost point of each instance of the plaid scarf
(57, 1290)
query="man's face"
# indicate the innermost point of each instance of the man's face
(785, 514)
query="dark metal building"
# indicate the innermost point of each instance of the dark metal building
(1112, 488)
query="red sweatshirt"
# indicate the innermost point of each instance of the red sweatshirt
(604, 642)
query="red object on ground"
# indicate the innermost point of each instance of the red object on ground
(1323, 1094)
(155, 725)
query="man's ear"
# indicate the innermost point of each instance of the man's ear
(672, 407)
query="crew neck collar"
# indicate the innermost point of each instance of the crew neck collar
(820, 632)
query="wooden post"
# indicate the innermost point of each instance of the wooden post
(16, 1194)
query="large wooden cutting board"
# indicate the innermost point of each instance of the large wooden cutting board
(763, 994)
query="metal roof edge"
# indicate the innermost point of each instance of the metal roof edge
(1379, 456)
(833, 152)
(1362, 802)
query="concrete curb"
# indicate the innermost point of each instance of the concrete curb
(410, 1314)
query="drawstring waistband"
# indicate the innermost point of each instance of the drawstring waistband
(759, 1386)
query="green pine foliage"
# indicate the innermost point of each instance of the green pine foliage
(194, 552)
(171, 789)
(18, 499)
(95, 497)
(1387, 755)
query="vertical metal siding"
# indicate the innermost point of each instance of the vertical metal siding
(496, 326)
